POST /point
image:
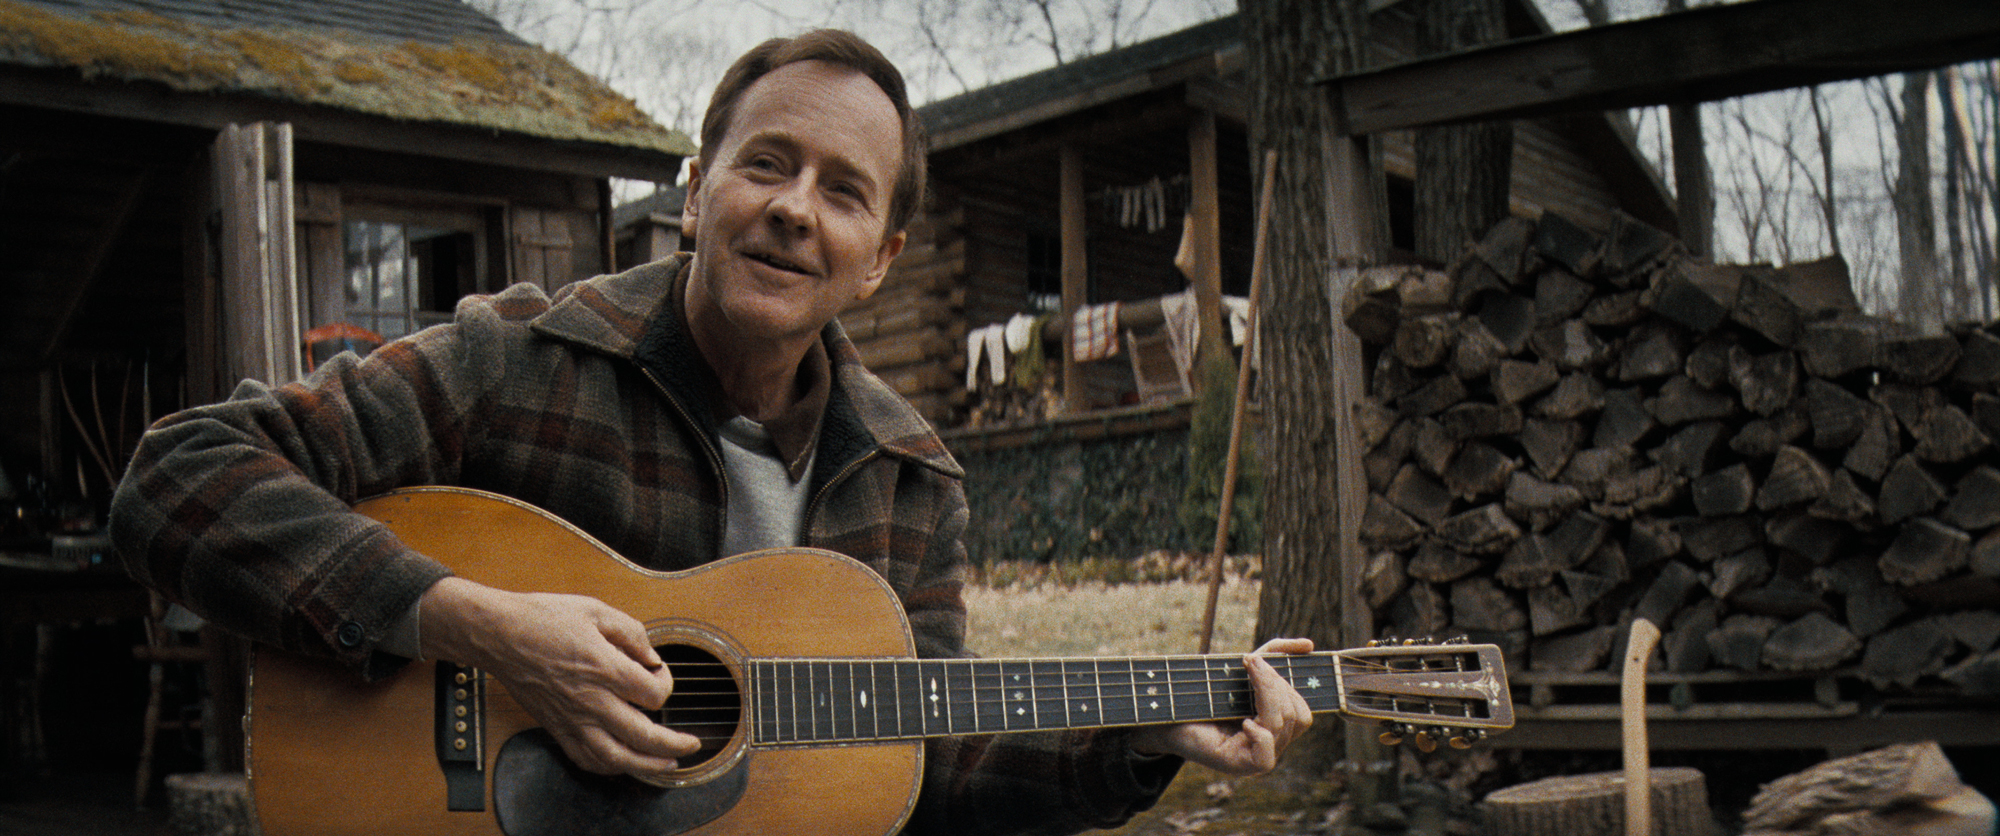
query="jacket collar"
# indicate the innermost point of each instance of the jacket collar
(622, 315)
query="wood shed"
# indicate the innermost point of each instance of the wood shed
(193, 192)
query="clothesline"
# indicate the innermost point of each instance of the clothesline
(999, 347)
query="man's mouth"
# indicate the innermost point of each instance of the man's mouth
(779, 262)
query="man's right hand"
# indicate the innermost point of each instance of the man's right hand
(579, 666)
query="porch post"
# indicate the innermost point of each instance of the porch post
(1075, 272)
(1206, 230)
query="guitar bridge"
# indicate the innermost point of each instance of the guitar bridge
(461, 736)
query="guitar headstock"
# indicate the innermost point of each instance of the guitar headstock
(1414, 685)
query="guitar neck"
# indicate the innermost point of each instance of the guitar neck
(816, 701)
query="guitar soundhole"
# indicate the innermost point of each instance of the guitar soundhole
(706, 702)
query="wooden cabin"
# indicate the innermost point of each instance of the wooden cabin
(154, 156)
(1068, 187)
(190, 191)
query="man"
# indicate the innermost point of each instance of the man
(679, 412)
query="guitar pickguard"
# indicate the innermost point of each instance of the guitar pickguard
(538, 792)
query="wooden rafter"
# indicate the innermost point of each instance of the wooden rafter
(1703, 54)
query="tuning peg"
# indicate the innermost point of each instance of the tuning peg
(1414, 642)
(1425, 743)
(1392, 733)
(1466, 737)
(1458, 640)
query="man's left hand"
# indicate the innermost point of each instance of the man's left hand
(1252, 746)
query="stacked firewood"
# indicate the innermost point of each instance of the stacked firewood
(1571, 428)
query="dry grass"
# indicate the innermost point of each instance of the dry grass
(1099, 619)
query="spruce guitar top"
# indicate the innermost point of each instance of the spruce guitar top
(795, 667)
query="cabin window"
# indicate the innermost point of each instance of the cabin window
(406, 271)
(1045, 273)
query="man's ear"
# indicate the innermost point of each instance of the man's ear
(689, 213)
(892, 246)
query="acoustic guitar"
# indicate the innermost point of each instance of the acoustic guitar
(794, 666)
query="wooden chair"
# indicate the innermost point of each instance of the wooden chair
(165, 645)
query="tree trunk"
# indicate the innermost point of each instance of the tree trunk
(1594, 805)
(1289, 44)
(1463, 171)
(1916, 227)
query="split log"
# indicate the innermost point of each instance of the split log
(1537, 503)
(1478, 470)
(1475, 351)
(1977, 675)
(1668, 593)
(1550, 444)
(1925, 550)
(1481, 420)
(1482, 530)
(1812, 643)
(1682, 401)
(1947, 435)
(1724, 492)
(1559, 295)
(1919, 359)
(1837, 414)
(1975, 500)
(1877, 446)
(1796, 478)
(1978, 360)
(1594, 805)
(1908, 788)
(1569, 344)
(1477, 604)
(1569, 244)
(1693, 450)
(1438, 563)
(1517, 380)
(1764, 308)
(1510, 318)
(1739, 641)
(1616, 310)
(1902, 655)
(1909, 489)
(1623, 420)
(1577, 652)
(1423, 342)
(1652, 351)
(1765, 383)
(1419, 495)
(1574, 396)
(1696, 295)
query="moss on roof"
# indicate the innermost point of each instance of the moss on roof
(487, 84)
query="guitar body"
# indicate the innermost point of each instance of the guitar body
(329, 754)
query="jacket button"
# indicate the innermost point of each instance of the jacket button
(350, 635)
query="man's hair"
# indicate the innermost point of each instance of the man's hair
(834, 46)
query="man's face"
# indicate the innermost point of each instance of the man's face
(789, 212)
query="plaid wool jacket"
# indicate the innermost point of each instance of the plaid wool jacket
(591, 405)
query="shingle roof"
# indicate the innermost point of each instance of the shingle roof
(416, 60)
(430, 21)
(1081, 75)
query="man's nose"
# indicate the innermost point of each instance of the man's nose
(792, 209)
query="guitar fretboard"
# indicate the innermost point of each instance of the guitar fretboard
(835, 700)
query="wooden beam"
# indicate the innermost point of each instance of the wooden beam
(1075, 269)
(1204, 186)
(91, 266)
(1703, 54)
